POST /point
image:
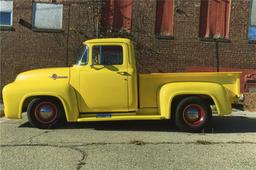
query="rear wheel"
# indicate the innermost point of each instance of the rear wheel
(192, 114)
(44, 112)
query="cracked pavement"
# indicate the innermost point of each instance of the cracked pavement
(229, 143)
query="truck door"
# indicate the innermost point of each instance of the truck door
(104, 87)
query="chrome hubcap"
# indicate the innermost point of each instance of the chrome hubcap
(192, 114)
(46, 112)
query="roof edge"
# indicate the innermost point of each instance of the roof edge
(108, 40)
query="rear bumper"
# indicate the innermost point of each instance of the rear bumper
(237, 104)
(241, 98)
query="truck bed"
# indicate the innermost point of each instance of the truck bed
(149, 84)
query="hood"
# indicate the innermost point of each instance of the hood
(45, 74)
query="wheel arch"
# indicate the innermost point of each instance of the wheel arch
(213, 93)
(29, 97)
(176, 99)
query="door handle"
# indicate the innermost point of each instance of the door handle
(123, 73)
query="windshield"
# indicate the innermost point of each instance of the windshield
(83, 55)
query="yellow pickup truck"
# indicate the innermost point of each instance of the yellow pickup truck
(105, 86)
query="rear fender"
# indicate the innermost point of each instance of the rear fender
(215, 91)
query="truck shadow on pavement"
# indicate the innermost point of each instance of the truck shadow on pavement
(230, 124)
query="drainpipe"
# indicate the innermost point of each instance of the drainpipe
(67, 52)
(217, 55)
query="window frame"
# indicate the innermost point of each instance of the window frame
(47, 30)
(8, 27)
(252, 41)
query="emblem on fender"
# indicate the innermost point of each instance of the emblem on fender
(55, 76)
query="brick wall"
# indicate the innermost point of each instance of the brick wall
(186, 50)
(24, 49)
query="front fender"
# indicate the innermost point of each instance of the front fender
(214, 90)
(16, 93)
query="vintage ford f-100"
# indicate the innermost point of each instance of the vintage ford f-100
(105, 86)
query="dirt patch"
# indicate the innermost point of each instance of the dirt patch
(137, 142)
(204, 142)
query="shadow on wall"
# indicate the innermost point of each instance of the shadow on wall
(229, 124)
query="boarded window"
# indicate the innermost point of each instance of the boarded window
(47, 16)
(252, 21)
(117, 15)
(6, 11)
(215, 18)
(164, 17)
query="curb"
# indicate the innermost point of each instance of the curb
(1, 110)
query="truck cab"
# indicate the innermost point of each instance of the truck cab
(104, 86)
(106, 77)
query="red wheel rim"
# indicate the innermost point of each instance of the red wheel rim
(194, 115)
(45, 112)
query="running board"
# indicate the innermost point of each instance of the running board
(109, 117)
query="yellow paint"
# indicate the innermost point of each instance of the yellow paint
(90, 115)
(96, 88)
(158, 89)
(99, 85)
(217, 92)
(116, 118)
(38, 83)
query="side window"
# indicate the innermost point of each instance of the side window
(252, 21)
(83, 56)
(107, 55)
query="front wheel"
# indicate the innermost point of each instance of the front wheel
(43, 112)
(192, 114)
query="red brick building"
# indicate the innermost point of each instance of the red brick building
(170, 35)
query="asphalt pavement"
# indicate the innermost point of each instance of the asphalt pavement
(230, 143)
